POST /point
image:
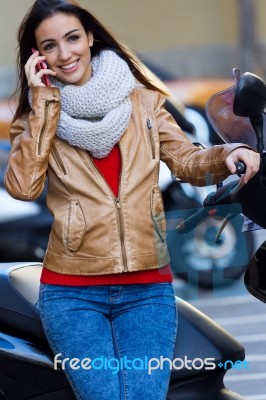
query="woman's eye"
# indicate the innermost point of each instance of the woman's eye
(73, 38)
(49, 46)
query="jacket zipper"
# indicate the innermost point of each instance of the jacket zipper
(149, 126)
(44, 125)
(58, 159)
(119, 211)
(122, 233)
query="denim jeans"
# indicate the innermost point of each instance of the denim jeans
(105, 338)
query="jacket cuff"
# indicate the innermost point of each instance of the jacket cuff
(229, 147)
(45, 93)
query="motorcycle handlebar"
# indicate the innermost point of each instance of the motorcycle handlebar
(240, 167)
(191, 222)
(210, 205)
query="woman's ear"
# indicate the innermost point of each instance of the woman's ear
(90, 39)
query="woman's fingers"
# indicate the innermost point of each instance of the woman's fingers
(250, 158)
(34, 76)
(253, 167)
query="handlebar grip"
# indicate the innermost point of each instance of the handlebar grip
(240, 167)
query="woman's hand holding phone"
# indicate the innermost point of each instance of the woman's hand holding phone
(36, 70)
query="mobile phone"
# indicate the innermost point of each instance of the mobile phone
(42, 65)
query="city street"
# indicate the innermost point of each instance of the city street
(244, 317)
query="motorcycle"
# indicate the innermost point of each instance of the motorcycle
(242, 116)
(200, 261)
(203, 350)
(228, 226)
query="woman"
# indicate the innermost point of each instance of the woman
(98, 134)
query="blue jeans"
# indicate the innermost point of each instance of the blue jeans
(109, 339)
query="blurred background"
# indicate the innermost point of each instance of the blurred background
(186, 38)
(192, 45)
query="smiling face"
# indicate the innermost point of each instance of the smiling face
(66, 45)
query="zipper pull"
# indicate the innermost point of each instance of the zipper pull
(117, 201)
(48, 102)
(149, 124)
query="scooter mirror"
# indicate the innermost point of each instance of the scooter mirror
(250, 96)
(220, 112)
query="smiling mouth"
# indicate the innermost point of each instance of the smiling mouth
(69, 67)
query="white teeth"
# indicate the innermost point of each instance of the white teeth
(69, 66)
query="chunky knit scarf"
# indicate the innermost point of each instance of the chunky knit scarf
(95, 115)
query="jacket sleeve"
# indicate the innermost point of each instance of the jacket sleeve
(185, 160)
(31, 141)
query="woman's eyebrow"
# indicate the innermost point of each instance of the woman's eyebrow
(52, 40)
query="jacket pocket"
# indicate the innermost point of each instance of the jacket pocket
(76, 225)
(158, 215)
(150, 136)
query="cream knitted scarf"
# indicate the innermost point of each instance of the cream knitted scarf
(95, 115)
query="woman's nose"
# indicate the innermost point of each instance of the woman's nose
(64, 53)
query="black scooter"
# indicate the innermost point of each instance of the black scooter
(203, 350)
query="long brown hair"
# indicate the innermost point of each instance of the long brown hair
(103, 39)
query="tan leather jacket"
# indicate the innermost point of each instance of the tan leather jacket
(93, 232)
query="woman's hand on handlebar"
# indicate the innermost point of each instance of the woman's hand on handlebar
(250, 158)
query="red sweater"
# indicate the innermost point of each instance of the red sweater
(110, 168)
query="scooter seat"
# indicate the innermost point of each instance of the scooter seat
(19, 289)
(198, 336)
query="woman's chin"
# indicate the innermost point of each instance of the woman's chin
(74, 78)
